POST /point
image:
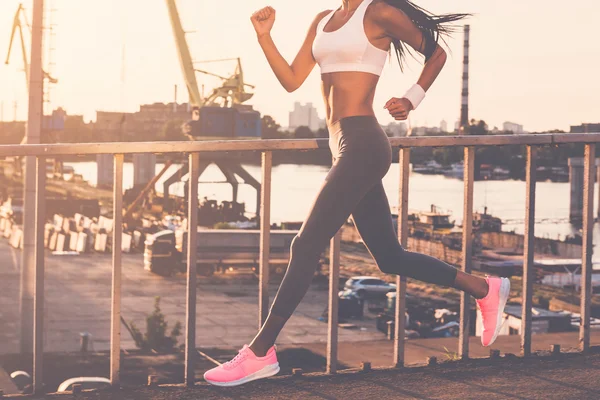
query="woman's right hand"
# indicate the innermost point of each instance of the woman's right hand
(263, 21)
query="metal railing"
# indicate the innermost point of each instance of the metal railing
(195, 151)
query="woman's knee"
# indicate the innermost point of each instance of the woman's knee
(302, 244)
(298, 244)
(306, 248)
(392, 260)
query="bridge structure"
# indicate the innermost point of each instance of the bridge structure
(39, 153)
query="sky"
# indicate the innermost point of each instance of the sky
(533, 62)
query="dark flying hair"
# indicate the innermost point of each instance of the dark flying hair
(432, 26)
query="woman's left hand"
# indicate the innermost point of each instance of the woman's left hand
(399, 108)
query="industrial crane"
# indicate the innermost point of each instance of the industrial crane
(232, 92)
(220, 114)
(19, 22)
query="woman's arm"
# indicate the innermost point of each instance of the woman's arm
(398, 25)
(292, 76)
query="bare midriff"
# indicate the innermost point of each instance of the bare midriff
(348, 94)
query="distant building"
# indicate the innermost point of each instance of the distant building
(153, 117)
(305, 115)
(512, 127)
(586, 128)
(395, 129)
(443, 127)
(111, 126)
(425, 131)
(55, 121)
(149, 121)
(12, 132)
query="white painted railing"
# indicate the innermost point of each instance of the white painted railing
(198, 148)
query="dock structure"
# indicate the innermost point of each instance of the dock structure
(144, 169)
(576, 179)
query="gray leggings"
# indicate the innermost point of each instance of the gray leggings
(362, 156)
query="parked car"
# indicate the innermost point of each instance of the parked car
(87, 383)
(369, 287)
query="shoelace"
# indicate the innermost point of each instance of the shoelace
(241, 356)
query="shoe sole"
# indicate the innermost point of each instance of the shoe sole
(266, 372)
(504, 293)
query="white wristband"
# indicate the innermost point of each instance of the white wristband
(415, 95)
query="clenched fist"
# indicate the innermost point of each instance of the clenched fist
(263, 20)
(399, 108)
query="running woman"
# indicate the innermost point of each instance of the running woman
(351, 46)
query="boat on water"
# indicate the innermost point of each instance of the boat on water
(456, 170)
(431, 167)
(436, 223)
(486, 172)
(552, 173)
(492, 173)
(484, 222)
(432, 225)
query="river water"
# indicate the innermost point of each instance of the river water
(295, 186)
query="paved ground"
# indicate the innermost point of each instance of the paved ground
(169, 368)
(380, 353)
(566, 377)
(78, 300)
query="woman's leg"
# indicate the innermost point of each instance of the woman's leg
(348, 181)
(373, 220)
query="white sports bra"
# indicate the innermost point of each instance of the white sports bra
(348, 48)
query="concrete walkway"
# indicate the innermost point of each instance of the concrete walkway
(571, 376)
(380, 352)
(78, 290)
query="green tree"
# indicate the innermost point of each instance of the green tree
(303, 132)
(322, 133)
(270, 128)
(156, 332)
(478, 127)
(448, 155)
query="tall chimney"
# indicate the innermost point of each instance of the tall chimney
(464, 112)
(175, 100)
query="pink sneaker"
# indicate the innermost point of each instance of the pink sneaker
(492, 308)
(243, 368)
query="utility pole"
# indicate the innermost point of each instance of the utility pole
(32, 136)
(464, 110)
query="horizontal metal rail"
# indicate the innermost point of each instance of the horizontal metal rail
(284, 144)
(194, 150)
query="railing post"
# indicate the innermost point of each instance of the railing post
(467, 241)
(334, 277)
(598, 180)
(400, 310)
(528, 252)
(588, 237)
(190, 317)
(115, 321)
(40, 222)
(265, 238)
(33, 131)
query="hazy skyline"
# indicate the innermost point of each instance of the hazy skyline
(532, 62)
